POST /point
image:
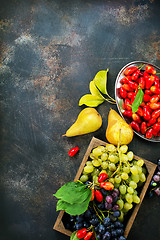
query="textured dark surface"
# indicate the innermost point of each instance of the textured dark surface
(50, 51)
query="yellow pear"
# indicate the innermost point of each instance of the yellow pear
(115, 123)
(89, 120)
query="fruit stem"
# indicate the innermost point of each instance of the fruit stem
(94, 206)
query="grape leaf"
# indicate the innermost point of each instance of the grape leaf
(138, 100)
(100, 81)
(71, 196)
(74, 236)
(90, 100)
(75, 208)
(70, 187)
(94, 90)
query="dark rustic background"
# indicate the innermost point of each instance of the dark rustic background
(50, 51)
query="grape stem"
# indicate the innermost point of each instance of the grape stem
(94, 206)
(119, 143)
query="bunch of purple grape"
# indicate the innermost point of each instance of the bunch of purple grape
(103, 217)
(155, 183)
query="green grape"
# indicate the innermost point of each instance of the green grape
(128, 206)
(136, 199)
(103, 171)
(133, 184)
(116, 185)
(124, 176)
(95, 179)
(109, 172)
(88, 163)
(111, 180)
(134, 170)
(126, 169)
(104, 156)
(130, 190)
(130, 155)
(135, 192)
(139, 169)
(104, 165)
(124, 157)
(112, 167)
(88, 168)
(92, 156)
(135, 178)
(110, 148)
(120, 202)
(142, 177)
(96, 163)
(84, 178)
(123, 148)
(113, 158)
(121, 217)
(122, 189)
(117, 179)
(95, 172)
(140, 162)
(129, 198)
(103, 149)
(100, 160)
(97, 151)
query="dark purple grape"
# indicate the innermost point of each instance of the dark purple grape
(106, 236)
(101, 206)
(94, 221)
(156, 178)
(115, 193)
(118, 224)
(87, 214)
(79, 218)
(115, 207)
(78, 226)
(114, 233)
(108, 206)
(106, 221)
(104, 191)
(116, 214)
(122, 238)
(157, 191)
(101, 229)
(119, 231)
(86, 224)
(109, 199)
(99, 236)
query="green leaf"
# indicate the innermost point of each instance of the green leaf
(100, 81)
(94, 90)
(75, 208)
(76, 196)
(71, 187)
(90, 100)
(138, 100)
(74, 236)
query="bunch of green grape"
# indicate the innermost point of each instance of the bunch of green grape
(126, 173)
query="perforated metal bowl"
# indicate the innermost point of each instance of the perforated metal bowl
(119, 100)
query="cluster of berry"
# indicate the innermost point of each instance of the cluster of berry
(155, 183)
(146, 119)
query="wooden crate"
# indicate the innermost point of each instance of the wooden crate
(59, 226)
